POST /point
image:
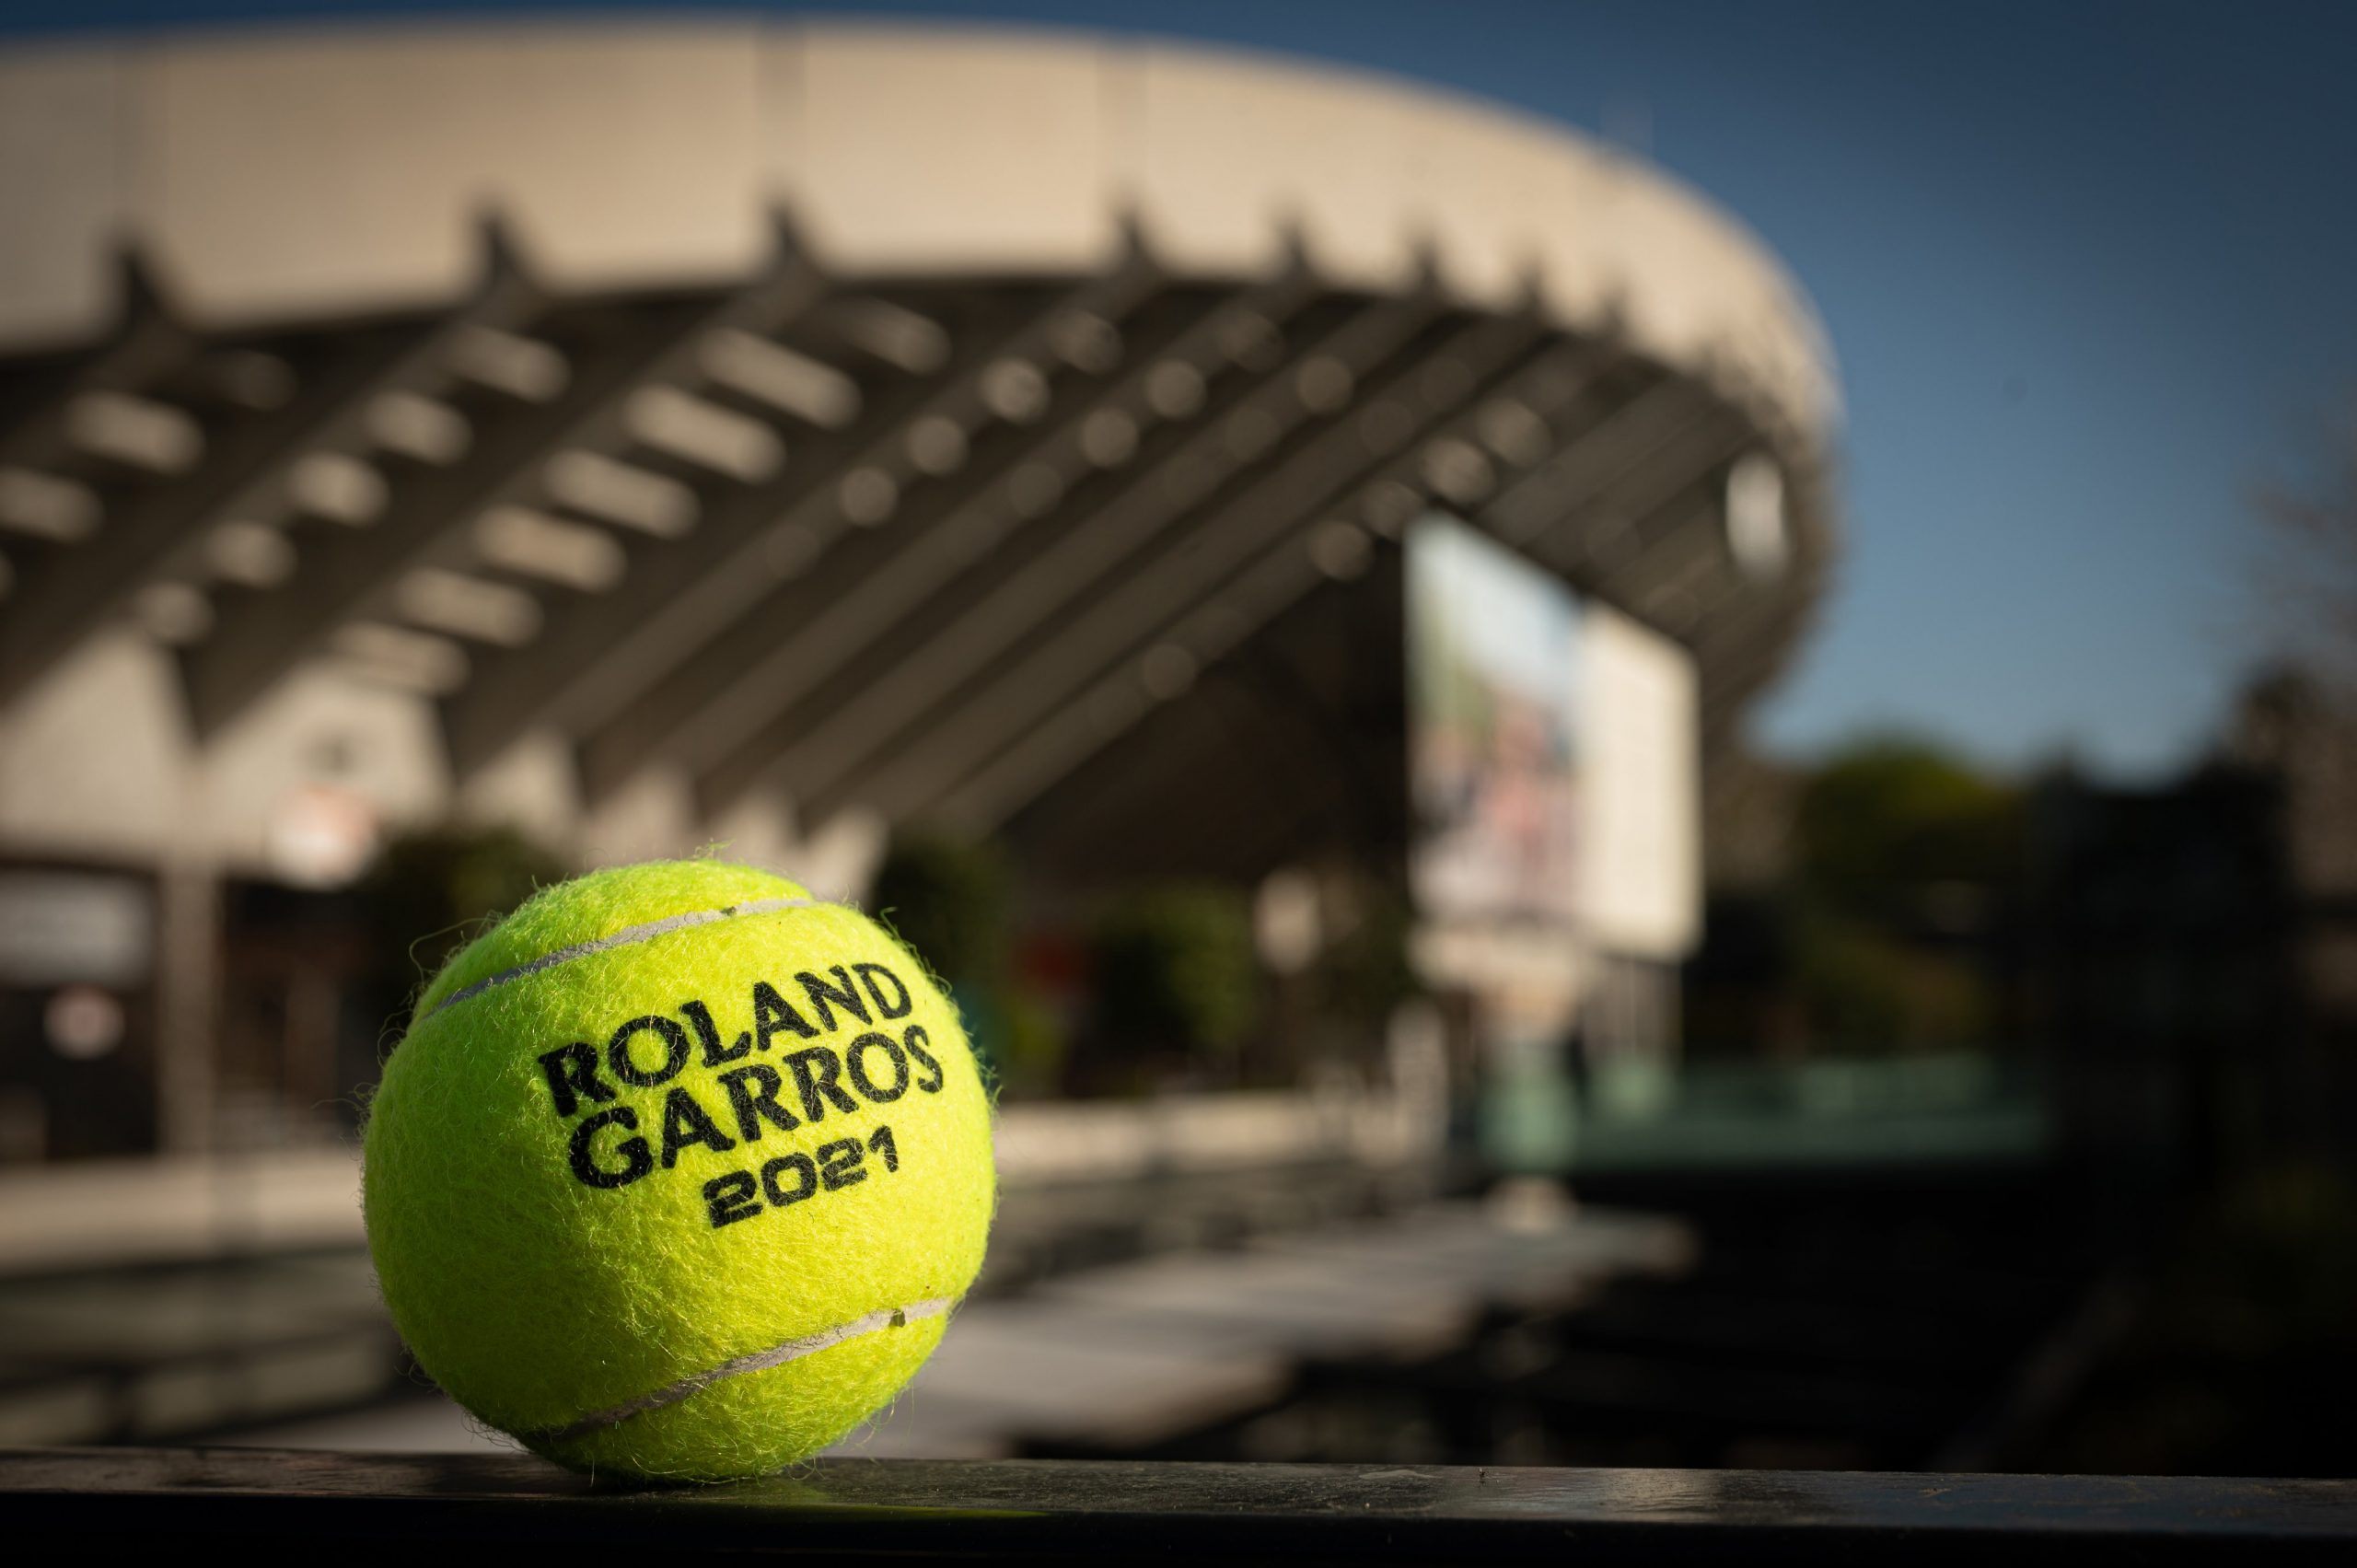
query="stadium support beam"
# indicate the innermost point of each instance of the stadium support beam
(757, 637)
(1744, 648)
(1070, 577)
(243, 458)
(1618, 461)
(341, 575)
(1682, 559)
(143, 345)
(1653, 530)
(1525, 381)
(996, 528)
(1605, 528)
(1651, 433)
(1185, 378)
(627, 650)
(1126, 617)
(1748, 629)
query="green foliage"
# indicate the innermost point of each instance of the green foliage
(2270, 1266)
(1369, 971)
(1022, 1038)
(1890, 815)
(1173, 968)
(1866, 989)
(1904, 863)
(430, 892)
(951, 898)
(2237, 1351)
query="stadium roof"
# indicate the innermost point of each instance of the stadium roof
(885, 416)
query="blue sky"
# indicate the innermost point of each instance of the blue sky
(2088, 272)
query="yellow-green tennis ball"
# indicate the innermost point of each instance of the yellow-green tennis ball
(678, 1172)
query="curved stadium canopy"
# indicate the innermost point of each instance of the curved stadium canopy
(878, 418)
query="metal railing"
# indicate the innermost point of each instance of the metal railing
(917, 1510)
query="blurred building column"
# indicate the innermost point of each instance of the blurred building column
(189, 1003)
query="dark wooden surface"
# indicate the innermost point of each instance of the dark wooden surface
(346, 1505)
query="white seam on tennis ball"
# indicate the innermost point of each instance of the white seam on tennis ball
(627, 936)
(759, 1361)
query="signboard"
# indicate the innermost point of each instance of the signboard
(1494, 732)
(1554, 857)
(60, 927)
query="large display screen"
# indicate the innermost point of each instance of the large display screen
(1493, 724)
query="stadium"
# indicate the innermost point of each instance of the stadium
(775, 436)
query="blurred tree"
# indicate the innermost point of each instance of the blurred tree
(1863, 990)
(1173, 970)
(1905, 857)
(430, 892)
(951, 898)
(1367, 971)
(1880, 921)
(1023, 1037)
(1898, 827)
(2239, 1353)
(2308, 572)
(2297, 724)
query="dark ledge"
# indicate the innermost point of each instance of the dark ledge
(1225, 1513)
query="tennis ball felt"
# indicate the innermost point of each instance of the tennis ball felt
(677, 1172)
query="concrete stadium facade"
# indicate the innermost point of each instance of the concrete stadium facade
(752, 313)
(655, 434)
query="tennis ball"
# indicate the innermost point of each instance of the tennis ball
(677, 1172)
